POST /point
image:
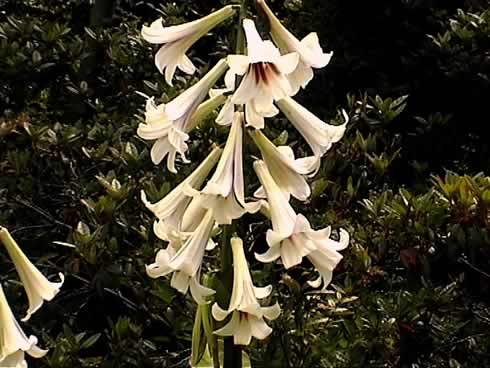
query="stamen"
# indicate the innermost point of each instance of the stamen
(261, 71)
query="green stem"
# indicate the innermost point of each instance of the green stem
(240, 35)
(232, 354)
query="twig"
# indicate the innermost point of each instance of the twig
(473, 267)
(42, 213)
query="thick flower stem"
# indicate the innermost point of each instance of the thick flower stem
(232, 357)
(232, 354)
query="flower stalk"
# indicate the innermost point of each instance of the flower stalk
(232, 354)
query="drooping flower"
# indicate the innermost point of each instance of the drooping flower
(292, 238)
(178, 39)
(13, 341)
(287, 172)
(169, 124)
(264, 73)
(185, 262)
(224, 192)
(247, 314)
(38, 288)
(171, 210)
(319, 135)
(310, 52)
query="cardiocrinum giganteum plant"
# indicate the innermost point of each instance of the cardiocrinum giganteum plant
(259, 81)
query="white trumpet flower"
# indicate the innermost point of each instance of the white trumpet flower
(287, 172)
(292, 238)
(38, 288)
(310, 52)
(326, 257)
(173, 208)
(185, 262)
(247, 314)
(178, 39)
(169, 124)
(264, 73)
(319, 135)
(224, 192)
(13, 341)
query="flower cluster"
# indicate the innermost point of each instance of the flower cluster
(14, 343)
(258, 85)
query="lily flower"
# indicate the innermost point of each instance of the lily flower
(38, 288)
(247, 314)
(171, 210)
(178, 39)
(169, 124)
(13, 341)
(292, 238)
(310, 52)
(287, 172)
(224, 192)
(319, 135)
(264, 73)
(185, 262)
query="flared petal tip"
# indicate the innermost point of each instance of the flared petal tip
(48, 295)
(270, 256)
(219, 313)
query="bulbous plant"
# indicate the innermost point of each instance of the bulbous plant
(13, 341)
(260, 81)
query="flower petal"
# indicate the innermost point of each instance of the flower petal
(231, 327)
(200, 292)
(262, 292)
(259, 328)
(272, 312)
(287, 63)
(271, 255)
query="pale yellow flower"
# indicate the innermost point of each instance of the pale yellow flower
(172, 211)
(38, 288)
(292, 238)
(247, 314)
(178, 39)
(319, 135)
(169, 124)
(185, 262)
(13, 341)
(224, 192)
(309, 50)
(264, 72)
(288, 173)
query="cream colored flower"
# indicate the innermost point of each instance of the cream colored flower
(13, 341)
(178, 39)
(172, 210)
(247, 314)
(38, 288)
(292, 238)
(264, 73)
(224, 192)
(287, 172)
(309, 50)
(169, 124)
(319, 135)
(185, 262)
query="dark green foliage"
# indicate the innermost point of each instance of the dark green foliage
(409, 181)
